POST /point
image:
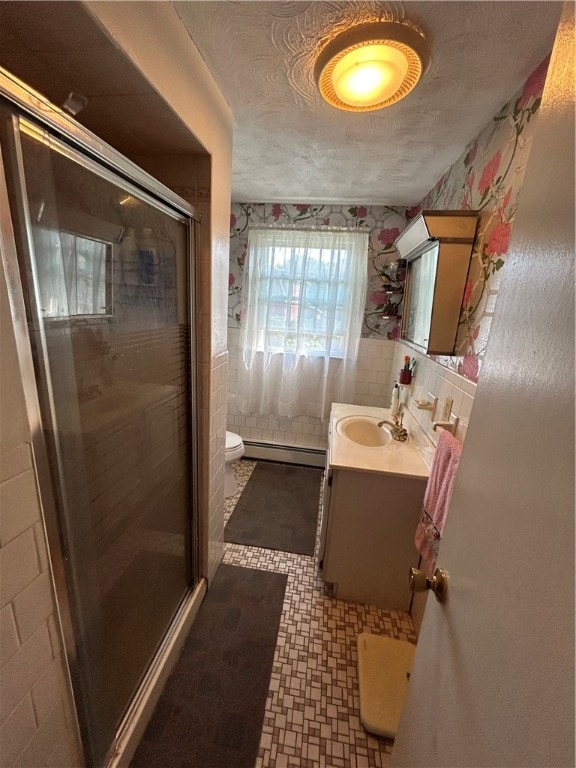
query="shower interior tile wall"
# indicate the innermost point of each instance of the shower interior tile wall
(378, 367)
(373, 387)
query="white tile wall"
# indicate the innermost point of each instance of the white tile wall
(215, 541)
(374, 369)
(431, 377)
(37, 724)
(33, 685)
(378, 367)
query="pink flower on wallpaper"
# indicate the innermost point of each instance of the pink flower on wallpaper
(467, 293)
(499, 239)
(489, 173)
(231, 280)
(507, 198)
(232, 220)
(387, 236)
(414, 211)
(361, 212)
(326, 222)
(395, 332)
(470, 367)
(377, 298)
(302, 208)
(534, 86)
(276, 211)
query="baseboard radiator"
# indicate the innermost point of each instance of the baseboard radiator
(287, 454)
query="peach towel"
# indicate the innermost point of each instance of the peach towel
(437, 498)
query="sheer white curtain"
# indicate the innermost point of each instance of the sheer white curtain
(303, 308)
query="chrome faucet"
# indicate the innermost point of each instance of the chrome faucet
(398, 432)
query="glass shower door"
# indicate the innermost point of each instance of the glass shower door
(106, 276)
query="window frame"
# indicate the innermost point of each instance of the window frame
(109, 257)
(297, 299)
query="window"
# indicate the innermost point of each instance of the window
(75, 274)
(304, 288)
(304, 305)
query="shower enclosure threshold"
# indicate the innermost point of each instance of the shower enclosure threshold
(136, 719)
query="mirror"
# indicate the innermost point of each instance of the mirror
(422, 272)
(437, 247)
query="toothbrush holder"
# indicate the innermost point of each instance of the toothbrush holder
(405, 377)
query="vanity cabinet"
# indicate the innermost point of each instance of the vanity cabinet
(369, 547)
(372, 503)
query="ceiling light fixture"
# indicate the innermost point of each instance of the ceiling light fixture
(371, 65)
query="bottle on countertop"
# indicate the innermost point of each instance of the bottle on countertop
(395, 402)
(148, 259)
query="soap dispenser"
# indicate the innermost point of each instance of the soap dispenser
(129, 257)
(148, 260)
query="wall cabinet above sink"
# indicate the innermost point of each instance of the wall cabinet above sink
(437, 247)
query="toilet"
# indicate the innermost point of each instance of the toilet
(234, 451)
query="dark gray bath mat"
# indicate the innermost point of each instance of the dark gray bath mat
(277, 509)
(211, 711)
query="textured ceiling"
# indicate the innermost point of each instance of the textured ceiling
(290, 146)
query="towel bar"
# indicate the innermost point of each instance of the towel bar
(450, 426)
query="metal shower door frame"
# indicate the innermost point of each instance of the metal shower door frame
(111, 165)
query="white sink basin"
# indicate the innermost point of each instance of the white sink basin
(363, 430)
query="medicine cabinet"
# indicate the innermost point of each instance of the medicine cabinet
(437, 247)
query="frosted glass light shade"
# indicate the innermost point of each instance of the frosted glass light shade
(371, 66)
(369, 75)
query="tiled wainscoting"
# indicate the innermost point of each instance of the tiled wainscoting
(36, 718)
(312, 717)
(212, 471)
(37, 724)
(374, 370)
(439, 381)
(378, 367)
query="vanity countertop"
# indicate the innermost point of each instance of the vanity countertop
(410, 459)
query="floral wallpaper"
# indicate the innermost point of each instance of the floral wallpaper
(488, 178)
(385, 278)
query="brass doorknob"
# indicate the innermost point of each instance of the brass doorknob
(438, 583)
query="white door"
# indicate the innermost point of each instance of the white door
(493, 680)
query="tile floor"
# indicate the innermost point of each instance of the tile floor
(312, 715)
